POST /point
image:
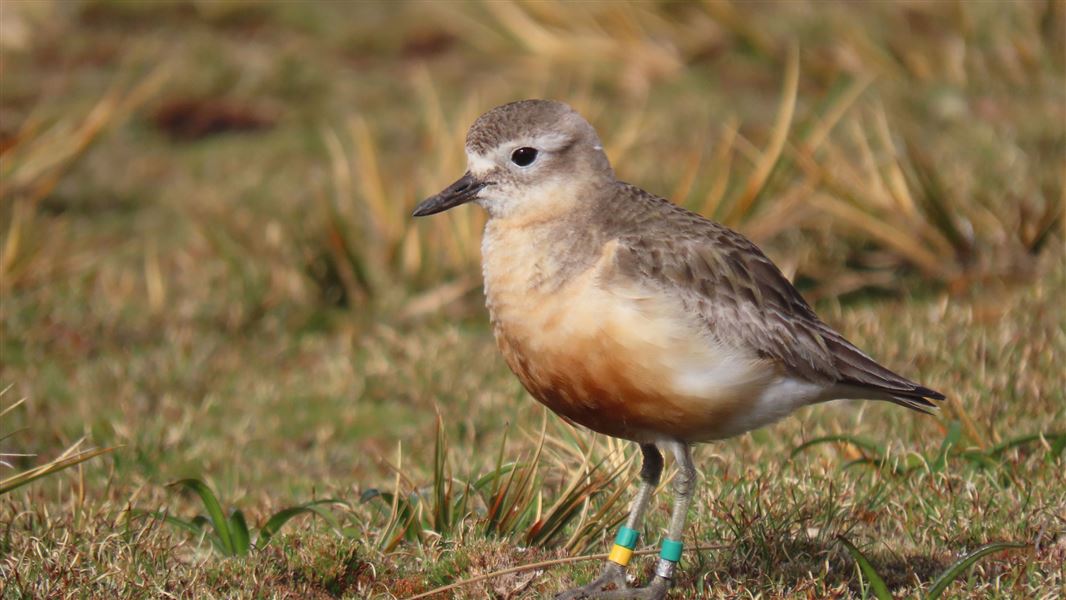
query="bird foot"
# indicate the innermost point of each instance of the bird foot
(613, 578)
(611, 585)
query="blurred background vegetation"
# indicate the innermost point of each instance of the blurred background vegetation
(207, 261)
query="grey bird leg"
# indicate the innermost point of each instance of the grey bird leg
(614, 574)
(651, 469)
(684, 483)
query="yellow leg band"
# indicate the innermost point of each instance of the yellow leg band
(620, 555)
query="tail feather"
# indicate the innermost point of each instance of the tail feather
(920, 398)
(862, 377)
(919, 403)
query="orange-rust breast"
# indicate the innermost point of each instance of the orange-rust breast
(589, 384)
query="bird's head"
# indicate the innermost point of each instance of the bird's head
(525, 158)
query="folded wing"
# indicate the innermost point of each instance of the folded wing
(744, 299)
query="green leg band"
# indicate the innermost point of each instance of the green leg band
(668, 558)
(671, 550)
(627, 538)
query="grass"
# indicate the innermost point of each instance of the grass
(880, 588)
(230, 536)
(207, 268)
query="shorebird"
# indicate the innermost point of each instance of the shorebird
(638, 319)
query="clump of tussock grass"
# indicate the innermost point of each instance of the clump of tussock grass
(506, 502)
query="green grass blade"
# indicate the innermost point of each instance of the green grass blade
(402, 516)
(981, 459)
(498, 472)
(492, 476)
(950, 441)
(280, 518)
(960, 566)
(442, 485)
(239, 537)
(875, 463)
(459, 509)
(214, 511)
(417, 522)
(371, 493)
(1059, 440)
(521, 505)
(494, 505)
(877, 584)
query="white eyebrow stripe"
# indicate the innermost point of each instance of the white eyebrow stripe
(551, 141)
(480, 163)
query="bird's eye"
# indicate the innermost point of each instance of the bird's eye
(524, 157)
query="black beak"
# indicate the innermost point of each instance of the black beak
(460, 192)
